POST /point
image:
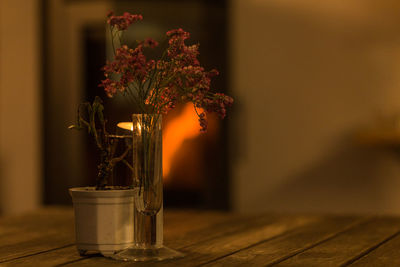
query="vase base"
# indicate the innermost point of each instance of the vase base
(146, 254)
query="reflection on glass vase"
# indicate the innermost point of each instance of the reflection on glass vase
(147, 179)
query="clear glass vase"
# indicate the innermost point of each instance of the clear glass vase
(147, 179)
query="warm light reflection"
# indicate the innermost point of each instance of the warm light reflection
(184, 126)
(126, 125)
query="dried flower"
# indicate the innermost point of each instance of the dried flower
(124, 21)
(161, 84)
(149, 42)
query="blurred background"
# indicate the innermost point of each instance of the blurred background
(315, 126)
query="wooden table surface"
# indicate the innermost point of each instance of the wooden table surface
(46, 238)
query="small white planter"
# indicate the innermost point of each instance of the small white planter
(103, 219)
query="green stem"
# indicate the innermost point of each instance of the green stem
(112, 39)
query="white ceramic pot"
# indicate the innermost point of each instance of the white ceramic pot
(103, 219)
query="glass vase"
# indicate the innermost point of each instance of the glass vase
(147, 180)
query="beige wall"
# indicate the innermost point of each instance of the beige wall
(306, 75)
(20, 125)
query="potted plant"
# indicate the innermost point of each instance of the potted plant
(155, 86)
(104, 213)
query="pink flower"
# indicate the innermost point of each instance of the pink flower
(176, 41)
(129, 65)
(218, 104)
(203, 122)
(161, 84)
(178, 33)
(110, 86)
(164, 101)
(124, 21)
(149, 42)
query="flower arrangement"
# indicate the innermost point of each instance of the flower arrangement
(156, 86)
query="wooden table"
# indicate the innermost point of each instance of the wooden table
(46, 238)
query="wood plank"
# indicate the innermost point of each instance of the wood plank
(347, 246)
(294, 242)
(36, 232)
(386, 253)
(37, 220)
(178, 222)
(221, 244)
(54, 257)
(217, 239)
(233, 224)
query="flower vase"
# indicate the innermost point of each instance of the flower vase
(147, 179)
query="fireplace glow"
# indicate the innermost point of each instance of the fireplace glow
(182, 127)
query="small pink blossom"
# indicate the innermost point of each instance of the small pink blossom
(124, 21)
(203, 122)
(178, 33)
(149, 42)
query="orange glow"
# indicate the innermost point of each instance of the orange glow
(126, 125)
(184, 126)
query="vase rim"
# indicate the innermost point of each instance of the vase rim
(90, 191)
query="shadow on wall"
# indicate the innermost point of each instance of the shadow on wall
(352, 178)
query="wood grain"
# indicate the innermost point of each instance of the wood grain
(37, 232)
(55, 257)
(386, 253)
(294, 242)
(46, 238)
(347, 246)
(222, 240)
(49, 252)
